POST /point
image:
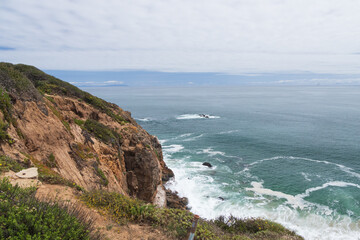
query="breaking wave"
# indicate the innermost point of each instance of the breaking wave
(195, 116)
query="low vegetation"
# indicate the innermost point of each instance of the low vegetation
(5, 105)
(4, 136)
(7, 164)
(6, 109)
(177, 222)
(19, 82)
(79, 122)
(47, 175)
(22, 216)
(51, 162)
(51, 85)
(102, 132)
(103, 178)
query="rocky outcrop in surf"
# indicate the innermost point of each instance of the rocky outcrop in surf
(72, 136)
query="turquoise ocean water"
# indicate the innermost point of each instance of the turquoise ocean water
(289, 154)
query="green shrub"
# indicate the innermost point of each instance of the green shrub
(20, 82)
(46, 174)
(4, 136)
(22, 216)
(5, 105)
(51, 99)
(177, 222)
(51, 162)
(6, 109)
(79, 122)
(123, 209)
(50, 85)
(251, 225)
(23, 77)
(100, 173)
(7, 163)
(102, 132)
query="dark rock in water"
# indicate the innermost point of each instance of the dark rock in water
(207, 164)
(167, 174)
(174, 201)
(204, 115)
(221, 198)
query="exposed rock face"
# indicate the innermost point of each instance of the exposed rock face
(86, 140)
(174, 201)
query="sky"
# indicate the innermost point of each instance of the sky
(235, 37)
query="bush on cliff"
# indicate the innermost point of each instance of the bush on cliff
(178, 222)
(7, 164)
(102, 132)
(48, 84)
(22, 216)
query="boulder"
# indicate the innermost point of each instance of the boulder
(207, 164)
(28, 173)
(174, 201)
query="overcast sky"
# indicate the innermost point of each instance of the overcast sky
(227, 36)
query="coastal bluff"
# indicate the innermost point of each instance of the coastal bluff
(97, 173)
(76, 138)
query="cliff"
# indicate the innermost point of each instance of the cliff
(80, 141)
(75, 138)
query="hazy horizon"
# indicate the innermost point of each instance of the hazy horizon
(155, 78)
(213, 37)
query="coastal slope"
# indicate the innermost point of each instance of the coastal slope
(92, 154)
(76, 138)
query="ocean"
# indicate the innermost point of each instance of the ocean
(286, 153)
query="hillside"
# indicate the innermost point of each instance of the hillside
(93, 153)
(73, 136)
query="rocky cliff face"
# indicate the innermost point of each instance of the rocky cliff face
(77, 138)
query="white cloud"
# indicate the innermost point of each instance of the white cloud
(243, 36)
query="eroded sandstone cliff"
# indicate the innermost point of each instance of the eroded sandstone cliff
(77, 138)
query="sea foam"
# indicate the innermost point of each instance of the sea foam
(312, 221)
(195, 116)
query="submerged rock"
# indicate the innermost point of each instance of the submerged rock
(207, 164)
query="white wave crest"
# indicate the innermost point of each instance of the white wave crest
(293, 200)
(184, 135)
(193, 138)
(306, 176)
(341, 167)
(228, 132)
(325, 185)
(210, 151)
(195, 116)
(297, 200)
(173, 148)
(143, 119)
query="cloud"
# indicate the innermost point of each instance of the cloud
(5, 48)
(243, 36)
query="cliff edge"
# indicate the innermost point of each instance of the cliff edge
(73, 137)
